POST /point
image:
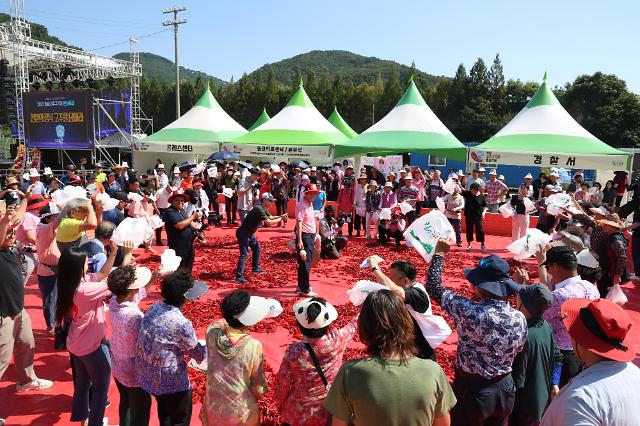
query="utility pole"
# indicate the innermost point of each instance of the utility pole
(175, 22)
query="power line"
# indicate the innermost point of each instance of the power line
(125, 42)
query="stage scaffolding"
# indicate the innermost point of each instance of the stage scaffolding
(32, 61)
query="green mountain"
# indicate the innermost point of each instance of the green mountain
(350, 66)
(165, 70)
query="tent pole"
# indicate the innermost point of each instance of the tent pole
(466, 164)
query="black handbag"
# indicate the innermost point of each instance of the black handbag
(61, 331)
(316, 364)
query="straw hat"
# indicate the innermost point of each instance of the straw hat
(373, 183)
(611, 220)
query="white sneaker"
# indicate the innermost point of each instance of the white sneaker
(37, 384)
(469, 248)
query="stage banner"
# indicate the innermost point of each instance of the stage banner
(58, 119)
(312, 154)
(386, 165)
(542, 159)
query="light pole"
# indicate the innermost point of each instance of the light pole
(175, 22)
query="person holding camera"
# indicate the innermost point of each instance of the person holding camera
(180, 230)
(331, 242)
(246, 234)
(392, 228)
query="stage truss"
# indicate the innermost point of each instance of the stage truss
(33, 61)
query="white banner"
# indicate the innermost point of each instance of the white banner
(176, 147)
(312, 154)
(543, 159)
(388, 164)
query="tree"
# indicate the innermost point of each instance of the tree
(199, 87)
(272, 97)
(392, 92)
(311, 86)
(479, 84)
(496, 81)
(603, 105)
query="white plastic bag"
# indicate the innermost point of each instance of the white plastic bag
(424, 233)
(361, 211)
(506, 210)
(107, 202)
(385, 214)
(227, 192)
(528, 205)
(616, 295)
(365, 264)
(62, 196)
(134, 197)
(406, 207)
(361, 290)
(556, 203)
(440, 204)
(528, 245)
(449, 186)
(169, 262)
(155, 222)
(132, 229)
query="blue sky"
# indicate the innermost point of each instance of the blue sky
(228, 37)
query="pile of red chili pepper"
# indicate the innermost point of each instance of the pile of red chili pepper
(216, 262)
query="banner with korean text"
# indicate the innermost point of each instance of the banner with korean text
(318, 155)
(542, 159)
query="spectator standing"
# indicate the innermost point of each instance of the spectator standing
(165, 337)
(612, 254)
(359, 204)
(474, 209)
(490, 335)
(180, 230)
(372, 205)
(536, 369)
(606, 392)
(454, 205)
(562, 264)
(520, 218)
(306, 231)
(409, 194)
(309, 367)
(375, 390)
(494, 190)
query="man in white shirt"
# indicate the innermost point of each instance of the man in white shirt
(605, 393)
(162, 203)
(163, 179)
(246, 193)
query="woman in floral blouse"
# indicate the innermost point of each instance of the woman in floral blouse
(300, 390)
(165, 337)
(235, 362)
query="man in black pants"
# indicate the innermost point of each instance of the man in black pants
(180, 230)
(475, 207)
(246, 234)
(306, 231)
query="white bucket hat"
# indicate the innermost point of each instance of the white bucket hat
(176, 171)
(493, 172)
(47, 171)
(328, 314)
(528, 176)
(125, 165)
(585, 258)
(34, 173)
(160, 166)
(259, 308)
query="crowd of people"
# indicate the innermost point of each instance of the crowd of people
(558, 355)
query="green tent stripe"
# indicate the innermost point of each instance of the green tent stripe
(263, 118)
(207, 100)
(192, 136)
(557, 144)
(443, 145)
(412, 96)
(290, 137)
(339, 123)
(300, 99)
(544, 96)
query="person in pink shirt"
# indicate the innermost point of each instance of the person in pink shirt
(306, 232)
(128, 284)
(80, 309)
(345, 203)
(420, 182)
(26, 234)
(48, 256)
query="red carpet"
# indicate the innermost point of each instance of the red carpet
(215, 264)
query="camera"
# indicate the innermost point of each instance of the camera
(215, 219)
(257, 185)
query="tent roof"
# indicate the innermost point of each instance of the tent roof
(336, 119)
(544, 125)
(410, 126)
(298, 123)
(205, 123)
(263, 118)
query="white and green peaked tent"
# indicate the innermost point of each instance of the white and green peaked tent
(263, 118)
(298, 123)
(199, 131)
(544, 134)
(410, 126)
(338, 122)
